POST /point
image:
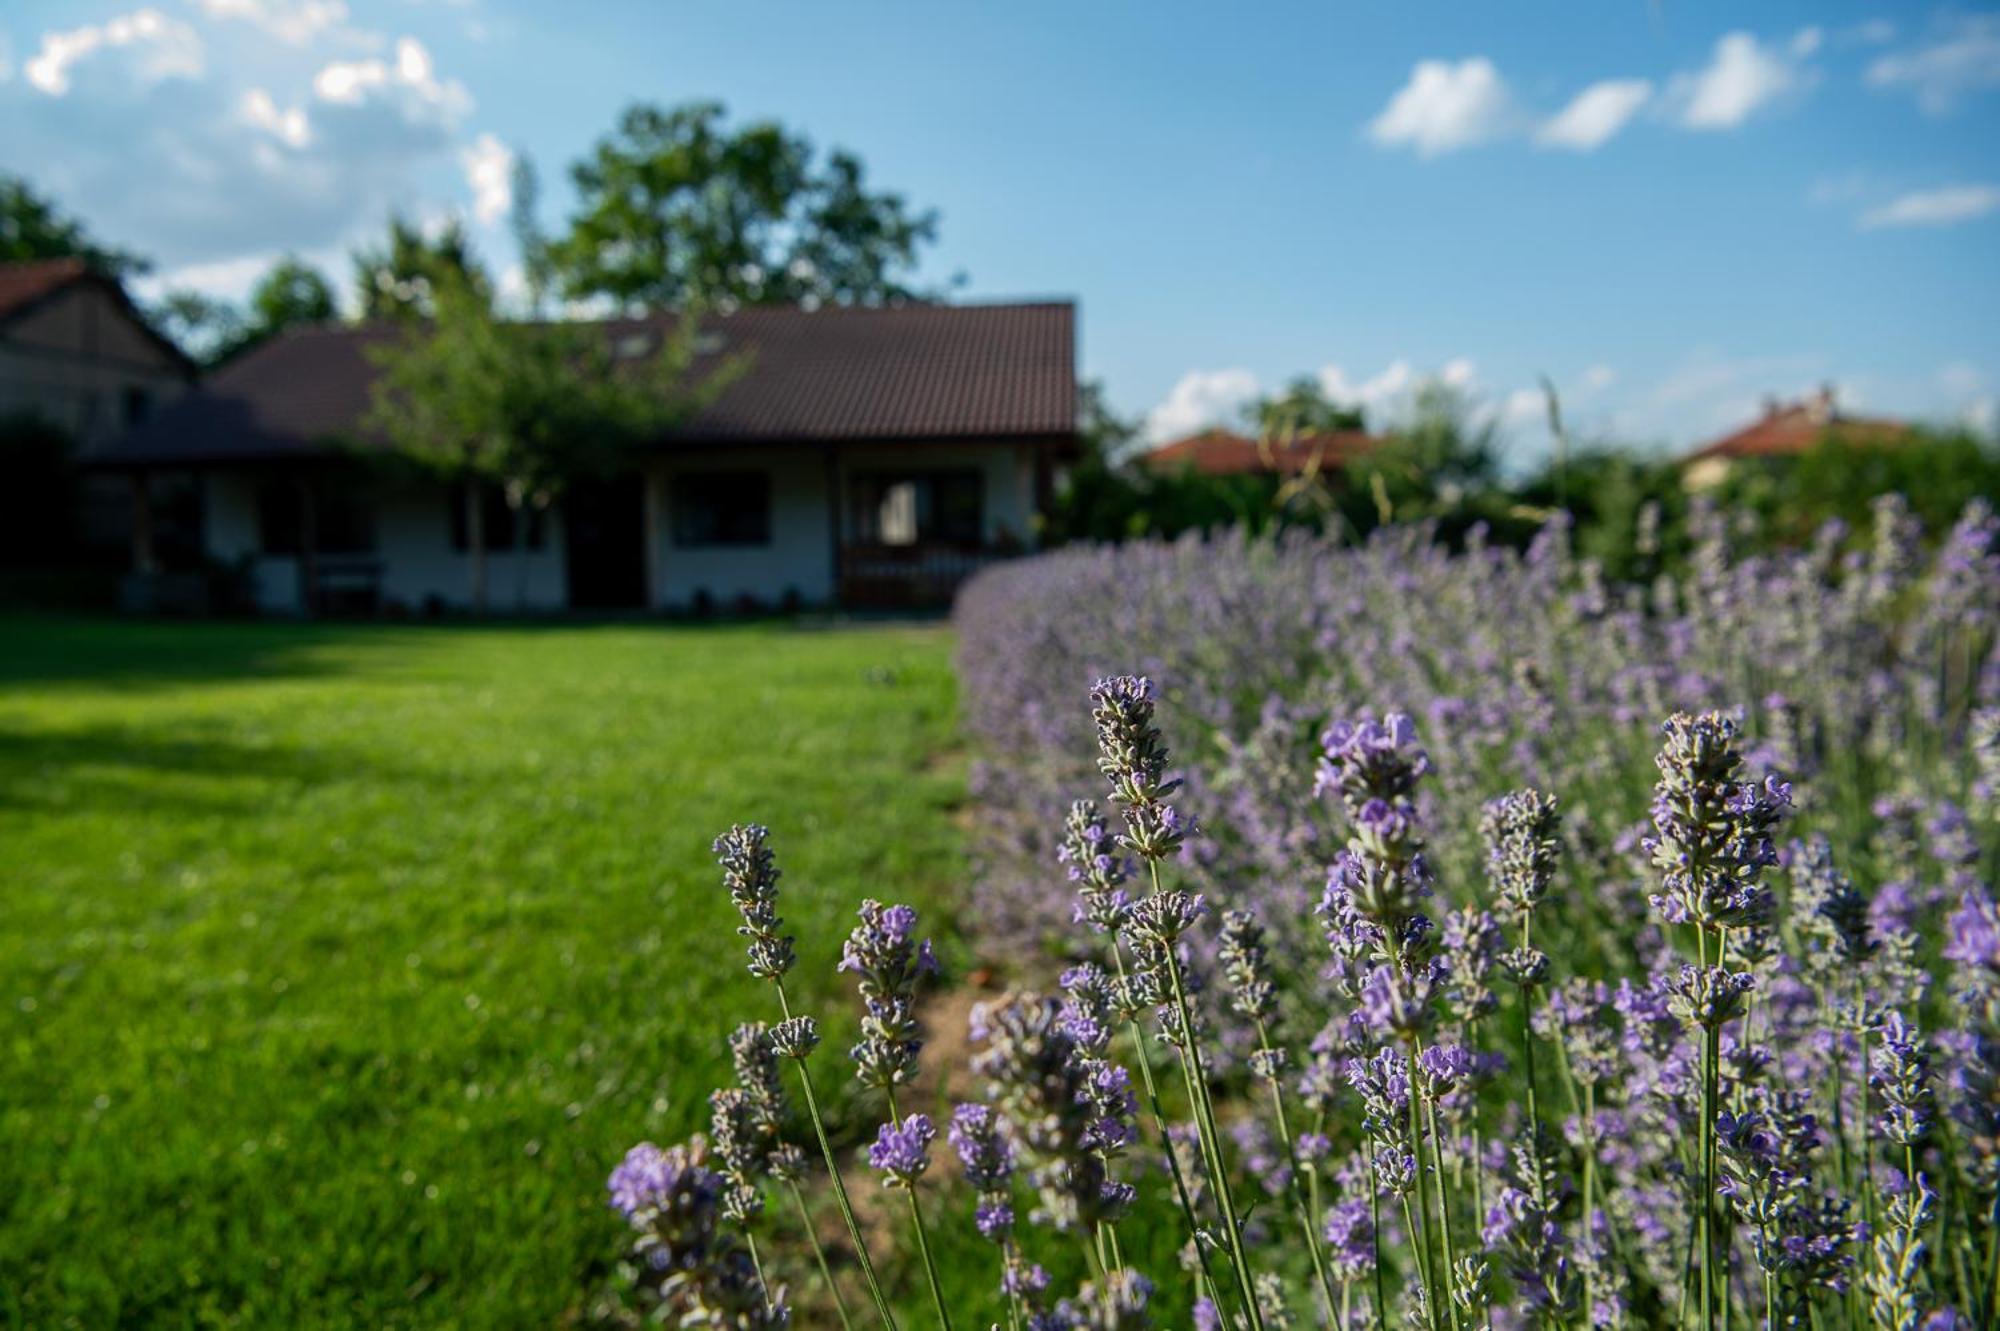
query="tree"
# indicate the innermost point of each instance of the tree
(401, 278)
(1303, 409)
(292, 294)
(526, 407)
(32, 227)
(678, 209)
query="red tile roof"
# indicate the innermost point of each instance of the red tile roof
(1224, 453)
(916, 373)
(1786, 430)
(22, 284)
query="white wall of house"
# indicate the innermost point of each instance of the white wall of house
(798, 560)
(412, 542)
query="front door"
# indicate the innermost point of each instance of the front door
(604, 536)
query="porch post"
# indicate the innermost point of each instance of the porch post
(144, 561)
(308, 547)
(833, 523)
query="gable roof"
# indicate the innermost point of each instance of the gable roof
(1788, 429)
(1220, 452)
(25, 285)
(902, 373)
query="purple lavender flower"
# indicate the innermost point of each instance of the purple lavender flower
(751, 876)
(1712, 829)
(1350, 1239)
(1133, 758)
(903, 1151)
(888, 960)
(1090, 855)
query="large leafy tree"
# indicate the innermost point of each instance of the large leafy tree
(292, 294)
(33, 227)
(528, 407)
(679, 209)
(1303, 408)
(401, 277)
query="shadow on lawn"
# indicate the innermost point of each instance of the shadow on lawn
(139, 770)
(131, 654)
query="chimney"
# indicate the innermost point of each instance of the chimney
(1772, 407)
(1821, 405)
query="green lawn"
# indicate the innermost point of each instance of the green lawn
(339, 964)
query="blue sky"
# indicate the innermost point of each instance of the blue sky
(1670, 209)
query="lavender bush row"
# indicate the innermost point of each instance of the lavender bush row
(1772, 1113)
(1854, 666)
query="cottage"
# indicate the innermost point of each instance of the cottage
(1218, 452)
(863, 457)
(74, 352)
(1787, 429)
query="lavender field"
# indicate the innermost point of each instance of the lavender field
(1394, 936)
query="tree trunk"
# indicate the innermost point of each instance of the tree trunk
(475, 544)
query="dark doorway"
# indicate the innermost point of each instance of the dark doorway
(604, 538)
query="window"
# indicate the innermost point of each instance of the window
(343, 522)
(722, 508)
(496, 521)
(916, 508)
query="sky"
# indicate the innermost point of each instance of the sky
(1669, 210)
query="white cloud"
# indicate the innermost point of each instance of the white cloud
(167, 48)
(1934, 207)
(1445, 107)
(1201, 398)
(294, 22)
(411, 82)
(1740, 78)
(1807, 40)
(1598, 378)
(1459, 373)
(489, 170)
(1595, 115)
(1963, 59)
(1524, 405)
(289, 126)
(1394, 380)
(199, 139)
(1873, 32)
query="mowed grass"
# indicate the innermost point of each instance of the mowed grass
(339, 964)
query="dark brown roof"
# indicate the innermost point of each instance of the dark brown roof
(1225, 453)
(919, 372)
(1786, 430)
(22, 284)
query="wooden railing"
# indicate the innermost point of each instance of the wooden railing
(882, 577)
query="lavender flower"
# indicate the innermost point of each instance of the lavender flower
(691, 1267)
(902, 1151)
(751, 876)
(1090, 855)
(1712, 837)
(1522, 849)
(1133, 758)
(888, 960)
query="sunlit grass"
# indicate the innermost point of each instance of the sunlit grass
(339, 964)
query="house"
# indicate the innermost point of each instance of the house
(862, 457)
(75, 353)
(1787, 429)
(1218, 452)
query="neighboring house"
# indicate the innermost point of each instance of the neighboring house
(1220, 452)
(862, 457)
(1787, 429)
(76, 353)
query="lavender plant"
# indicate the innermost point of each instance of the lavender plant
(1574, 1038)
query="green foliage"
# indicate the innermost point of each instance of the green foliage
(404, 276)
(1609, 492)
(677, 207)
(1303, 408)
(292, 294)
(342, 963)
(1938, 472)
(33, 227)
